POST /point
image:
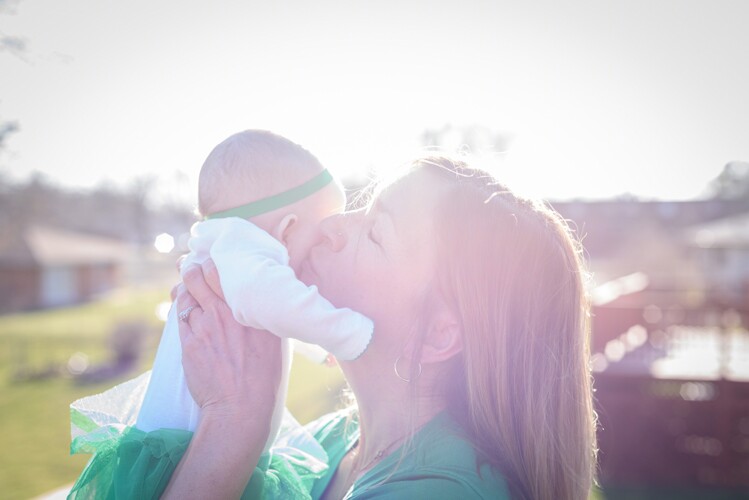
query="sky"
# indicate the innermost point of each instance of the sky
(599, 98)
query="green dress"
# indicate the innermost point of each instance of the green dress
(439, 463)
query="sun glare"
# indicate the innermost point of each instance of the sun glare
(164, 243)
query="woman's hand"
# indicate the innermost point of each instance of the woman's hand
(233, 373)
(229, 368)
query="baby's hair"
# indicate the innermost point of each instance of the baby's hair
(251, 165)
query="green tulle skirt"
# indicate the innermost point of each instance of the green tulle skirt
(129, 463)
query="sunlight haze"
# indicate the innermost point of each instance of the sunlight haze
(599, 98)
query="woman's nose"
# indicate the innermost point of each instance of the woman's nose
(333, 231)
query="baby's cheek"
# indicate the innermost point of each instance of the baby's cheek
(298, 246)
(295, 259)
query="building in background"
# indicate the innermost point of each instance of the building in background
(44, 267)
(670, 343)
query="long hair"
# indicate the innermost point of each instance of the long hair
(512, 272)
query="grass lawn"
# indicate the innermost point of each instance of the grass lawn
(34, 417)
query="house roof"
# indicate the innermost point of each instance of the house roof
(606, 225)
(46, 246)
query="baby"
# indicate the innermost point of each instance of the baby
(262, 197)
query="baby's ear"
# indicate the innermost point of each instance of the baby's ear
(284, 227)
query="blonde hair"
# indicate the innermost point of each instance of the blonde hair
(512, 272)
(250, 165)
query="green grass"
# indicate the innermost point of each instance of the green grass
(88, 321)
(34, 415)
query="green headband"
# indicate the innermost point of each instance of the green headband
(277, 200)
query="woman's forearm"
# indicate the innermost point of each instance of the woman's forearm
(222, 455)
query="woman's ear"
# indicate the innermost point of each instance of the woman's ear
(444, 337)
(283, 228)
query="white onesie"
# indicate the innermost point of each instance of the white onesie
(262, 292)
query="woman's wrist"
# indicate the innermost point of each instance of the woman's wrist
(222, 455)
(248, 405)
(242, 422)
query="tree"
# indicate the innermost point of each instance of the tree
(6, 129)
(16, 45)
(732, 183)
(140, 191)
(475, 139)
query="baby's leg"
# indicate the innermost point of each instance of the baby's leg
(283, 388)
(168, 403)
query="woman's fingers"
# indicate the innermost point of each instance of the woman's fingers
(186, 307)
(184, 299)
(210, 273)
(198, 288)
(173, 292)
(179, 262)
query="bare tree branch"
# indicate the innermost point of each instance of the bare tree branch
(6, 129)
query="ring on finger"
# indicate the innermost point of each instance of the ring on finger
(185, 314)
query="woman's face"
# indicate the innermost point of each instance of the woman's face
(379, 261)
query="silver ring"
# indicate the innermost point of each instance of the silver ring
(185, 314)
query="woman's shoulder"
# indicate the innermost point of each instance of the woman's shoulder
(445, 452)
(440, 463)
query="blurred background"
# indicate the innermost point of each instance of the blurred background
(630, 118)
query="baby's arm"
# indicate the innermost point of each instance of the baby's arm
(263, 292)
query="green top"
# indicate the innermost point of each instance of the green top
(440, 463)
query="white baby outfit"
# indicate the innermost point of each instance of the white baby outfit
(262, 292)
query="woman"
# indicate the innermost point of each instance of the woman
(476, 384)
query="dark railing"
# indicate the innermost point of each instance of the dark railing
(672, 402)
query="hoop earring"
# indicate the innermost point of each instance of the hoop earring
(395, 369)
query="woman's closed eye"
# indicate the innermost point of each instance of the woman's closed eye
(373, 236)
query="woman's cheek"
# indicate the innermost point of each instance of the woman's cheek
(348, 290)
(345, 292)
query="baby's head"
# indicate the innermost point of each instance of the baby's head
(256, 164)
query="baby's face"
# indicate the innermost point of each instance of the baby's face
(305, 232)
